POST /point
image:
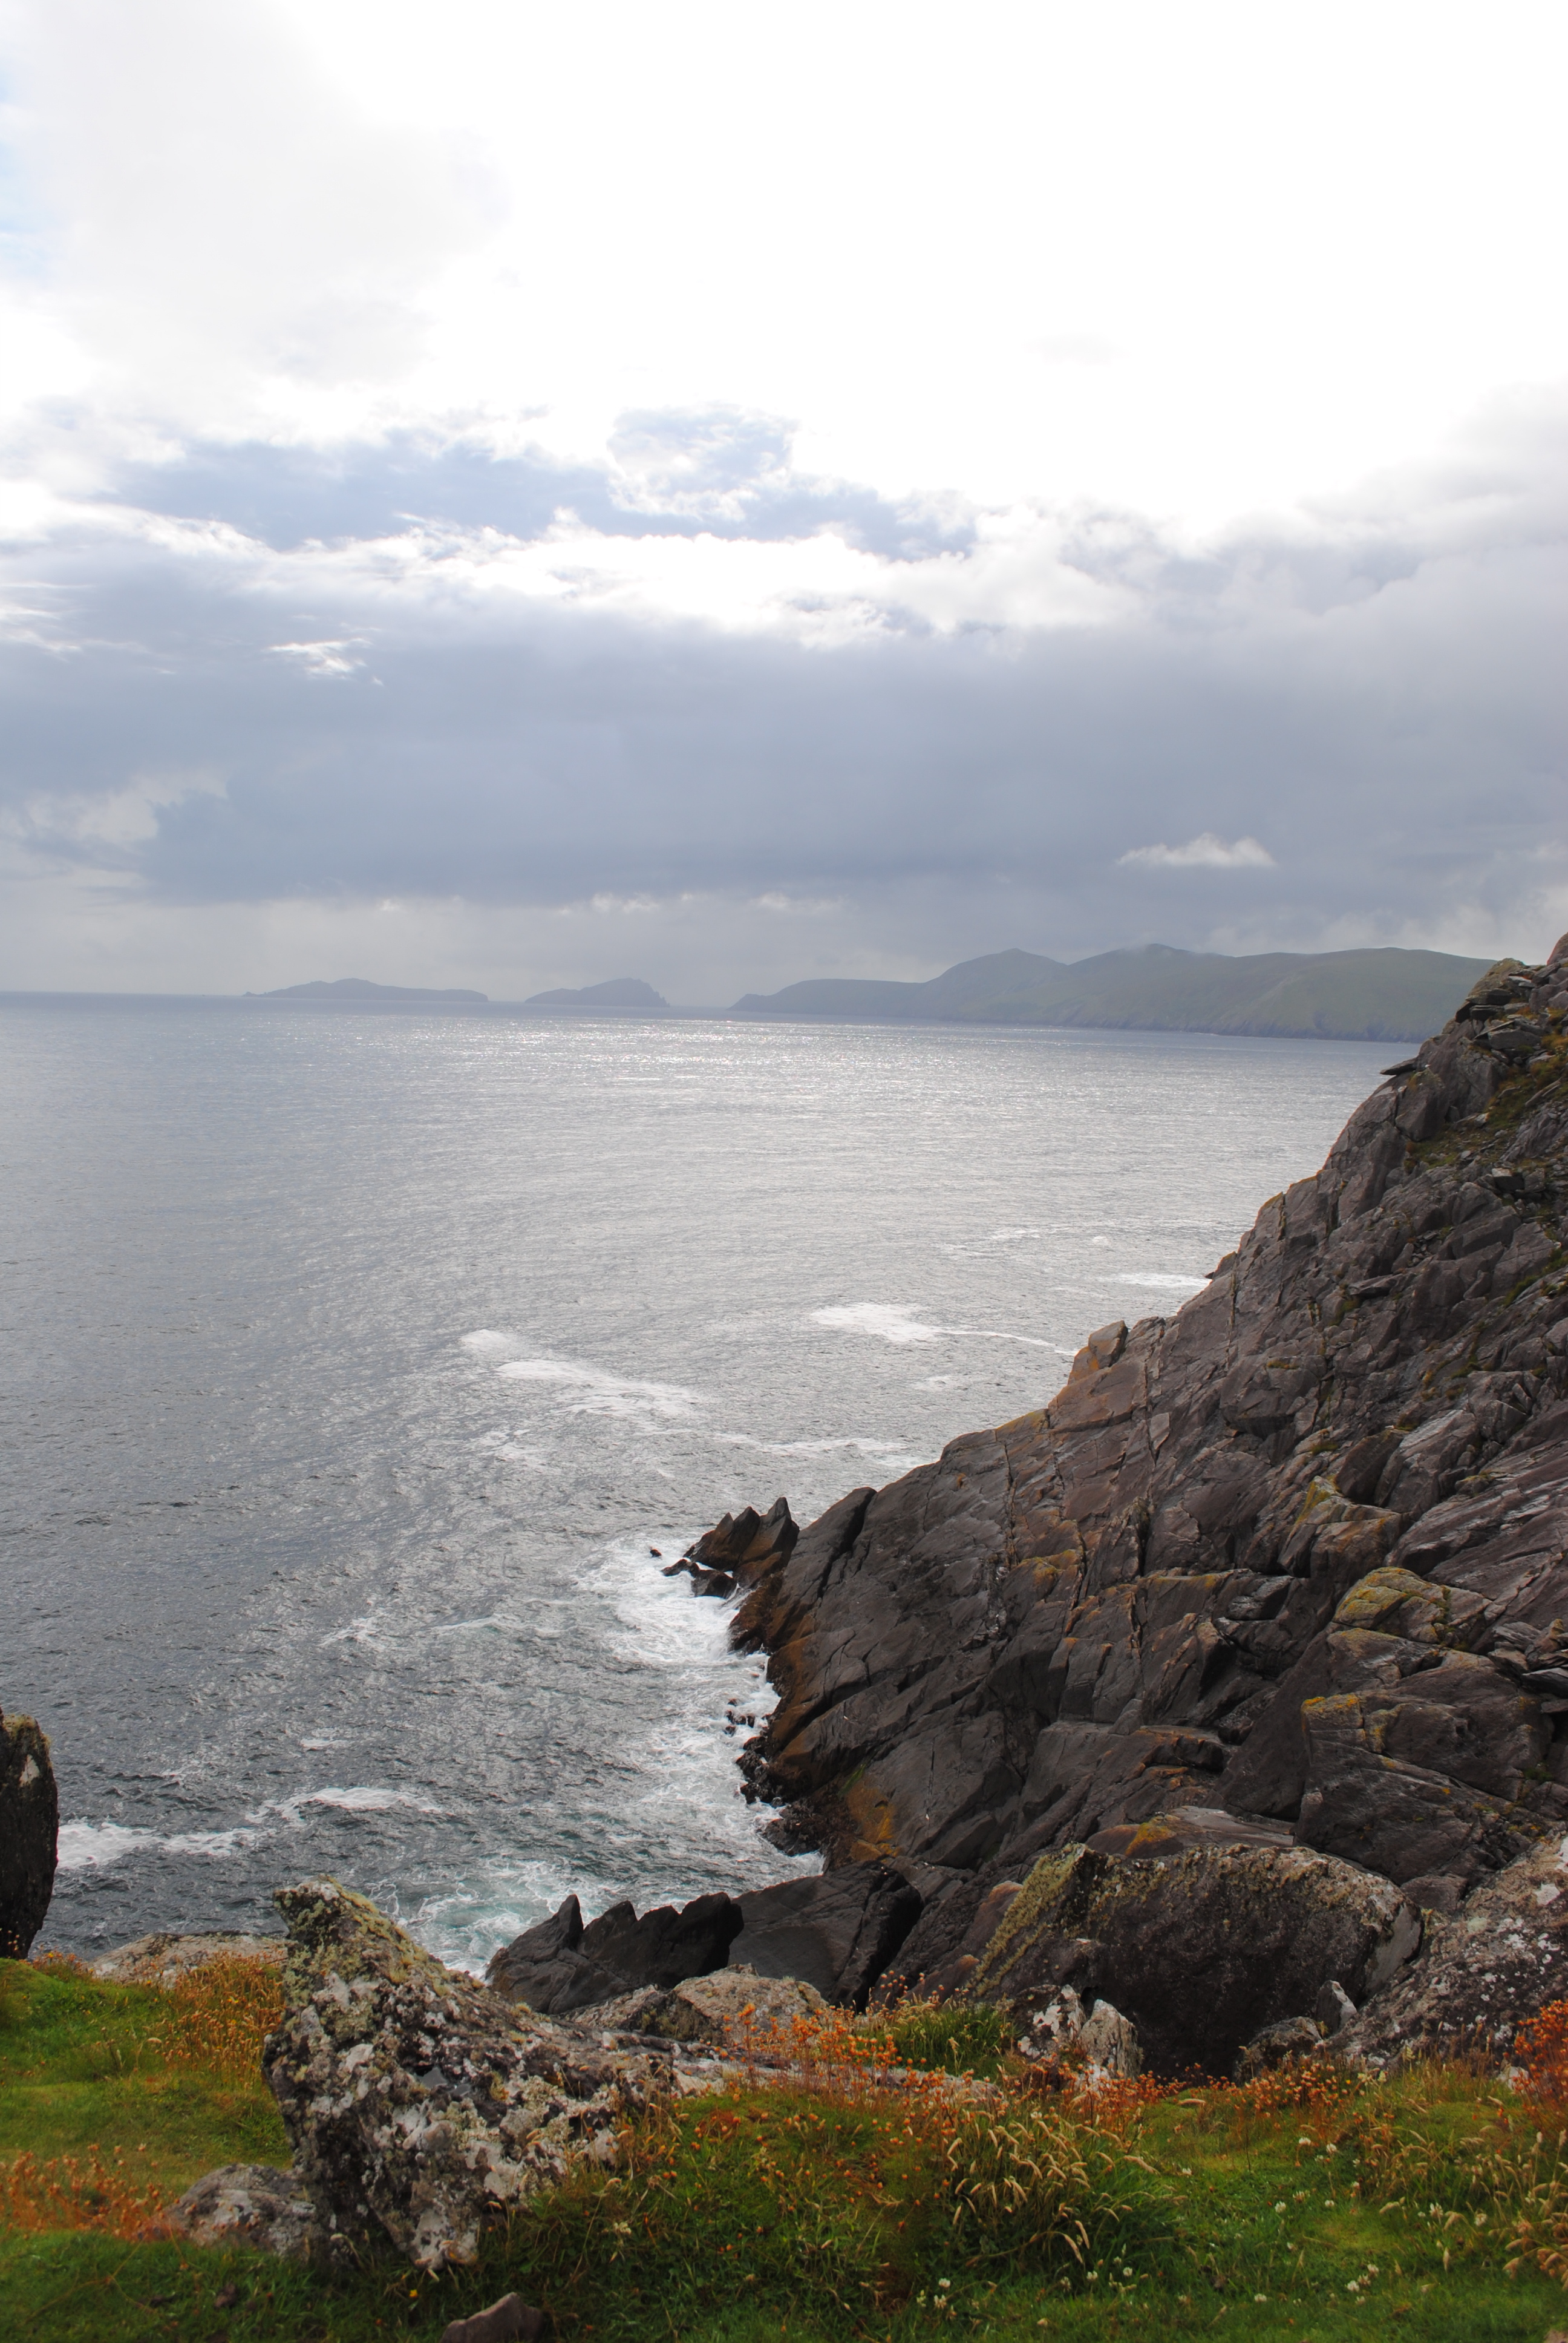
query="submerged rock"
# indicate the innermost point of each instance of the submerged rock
(29, 1833)
(418, 2103)
(1201, 1948)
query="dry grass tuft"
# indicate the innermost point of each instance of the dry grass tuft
(65, 2192)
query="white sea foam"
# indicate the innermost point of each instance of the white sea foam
(1170, 1279)
(596, 1392)
(93, 1846)
(891, 1320)
(896, 1324)
(466, 1926)
(691, 1800)
(366, 1798)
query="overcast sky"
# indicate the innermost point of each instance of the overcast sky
(513, 495)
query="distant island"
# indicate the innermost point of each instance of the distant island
(1383, 994)
(1380, 995)
(359, 987)
(620, 993)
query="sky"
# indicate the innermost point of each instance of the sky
(511, 495)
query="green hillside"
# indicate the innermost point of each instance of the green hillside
(1385, 995)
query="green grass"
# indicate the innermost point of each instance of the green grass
(81, 2067)
(819, 2217)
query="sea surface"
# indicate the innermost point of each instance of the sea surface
(353, 1363)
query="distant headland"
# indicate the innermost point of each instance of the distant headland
(1384, 995)
(359, 987)
(620, 993)
(1378, 994)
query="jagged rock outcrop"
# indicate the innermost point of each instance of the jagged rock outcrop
(29, 1833)
(836, 1932)
(418, 2102)
(1299, 1553)
(560, 1965)
(738, 1550)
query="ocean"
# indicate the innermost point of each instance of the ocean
(354, 1363)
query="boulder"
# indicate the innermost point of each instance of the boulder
(251, 2204)
(1483, 1971)
(1201, 1948)
(419, 2104)
(964, 1910)
(1273, 2045)
(729, 2006)
(161, 1959)
(1091, 2046)
(1109, 2045)
(29, 1833)
(559, 1965)
(836, 1931)
(1335, 2010)
(511, 2320)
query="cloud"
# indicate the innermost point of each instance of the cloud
(323, 659)
(1204, 853)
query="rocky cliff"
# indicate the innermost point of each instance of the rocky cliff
(1298, 1554)
(29, 1833)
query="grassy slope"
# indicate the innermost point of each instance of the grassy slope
(810, 2215)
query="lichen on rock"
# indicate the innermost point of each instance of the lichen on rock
(419, 2104)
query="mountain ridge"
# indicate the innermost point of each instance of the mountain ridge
(1383, 994)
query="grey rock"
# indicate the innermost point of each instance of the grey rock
(1483, 1971)
(1436, 1891)
(838, 1931)
(418, 2104)
(561, 1965)
(251, 2204)
(160, 1959)
(1107, 2043)
(29, 1833)
(1201, 1948)
(731, 2006)
(1272, 2045)
(1335, 2010)
(505, 2322)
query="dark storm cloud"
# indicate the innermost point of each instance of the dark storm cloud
(1375, 703)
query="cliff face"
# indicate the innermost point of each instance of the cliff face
(1299, 1553)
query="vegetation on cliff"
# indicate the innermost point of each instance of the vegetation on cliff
(850, 2204)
